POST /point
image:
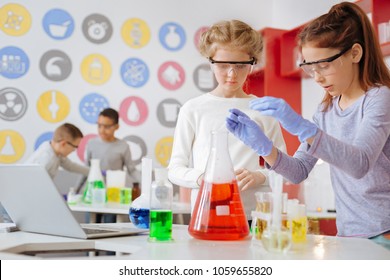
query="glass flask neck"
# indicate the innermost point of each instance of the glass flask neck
(95, 174)
(219, 168)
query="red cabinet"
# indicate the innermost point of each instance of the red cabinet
(379, 11)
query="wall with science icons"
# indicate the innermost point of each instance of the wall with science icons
(65, 61)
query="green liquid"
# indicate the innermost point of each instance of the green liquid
(160, 226)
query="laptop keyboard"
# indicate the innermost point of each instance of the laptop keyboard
(96, 230)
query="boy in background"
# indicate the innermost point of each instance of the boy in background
(113, 153)
(54, 154)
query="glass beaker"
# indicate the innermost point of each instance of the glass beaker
(267, 230)
(261, 218)
(218, 212)
(161, 199)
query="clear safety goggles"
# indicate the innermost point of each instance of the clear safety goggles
(323, 67)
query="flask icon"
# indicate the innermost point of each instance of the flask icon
(218, 212)
(172, 39)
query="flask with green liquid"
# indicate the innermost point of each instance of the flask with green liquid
(161, 198)
(95, 190)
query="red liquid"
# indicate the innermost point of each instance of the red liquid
(218, 213)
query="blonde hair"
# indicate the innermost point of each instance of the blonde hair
(66, 131)
(233, 34)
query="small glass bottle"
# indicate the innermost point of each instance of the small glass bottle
(218, 212)
(161, 199)
(140, 207)
(135, 191)
(71, 197)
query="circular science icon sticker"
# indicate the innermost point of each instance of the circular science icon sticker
(134, 72)
(53, 106)
(91, 106)
(137, 147)
(167, 112)
(136, 33)
(13, 104)
(15, 20)
(14, 62)
(134, 110)
(12, 146)
(96, 69)
(55, 65)
(58, 24)
(163, 150)
(97, 28)
(204, 78)
(44, 137)
(197, 35)
(171, 75)
(172, 36)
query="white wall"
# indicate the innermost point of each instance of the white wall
(20, 135)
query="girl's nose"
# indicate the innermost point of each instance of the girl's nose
(232, 71)
(318, 77)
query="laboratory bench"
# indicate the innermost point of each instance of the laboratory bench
(24, 245)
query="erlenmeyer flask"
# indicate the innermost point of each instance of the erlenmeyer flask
(218, 213)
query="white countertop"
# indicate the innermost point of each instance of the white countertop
(184, 247)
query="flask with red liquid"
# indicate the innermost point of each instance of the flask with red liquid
(218, 212)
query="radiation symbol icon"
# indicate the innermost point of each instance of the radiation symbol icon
(13, 104)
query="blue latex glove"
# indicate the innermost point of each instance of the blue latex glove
(288, 118)
(245, 129)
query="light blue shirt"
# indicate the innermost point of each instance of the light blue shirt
(355, 142)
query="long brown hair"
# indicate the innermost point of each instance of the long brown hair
(344, 25)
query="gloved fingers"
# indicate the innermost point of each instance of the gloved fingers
(245, 120)
(267, 105)
(231, 125)
(233, 117)
(236, 112)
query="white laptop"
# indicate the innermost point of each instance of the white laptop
(35, 205)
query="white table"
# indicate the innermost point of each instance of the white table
(184, 247)
(122, 211)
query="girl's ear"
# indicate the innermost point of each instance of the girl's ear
(357, 53)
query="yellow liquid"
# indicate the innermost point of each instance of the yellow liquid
(298, 228)
(260, 226)
(113, 194)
